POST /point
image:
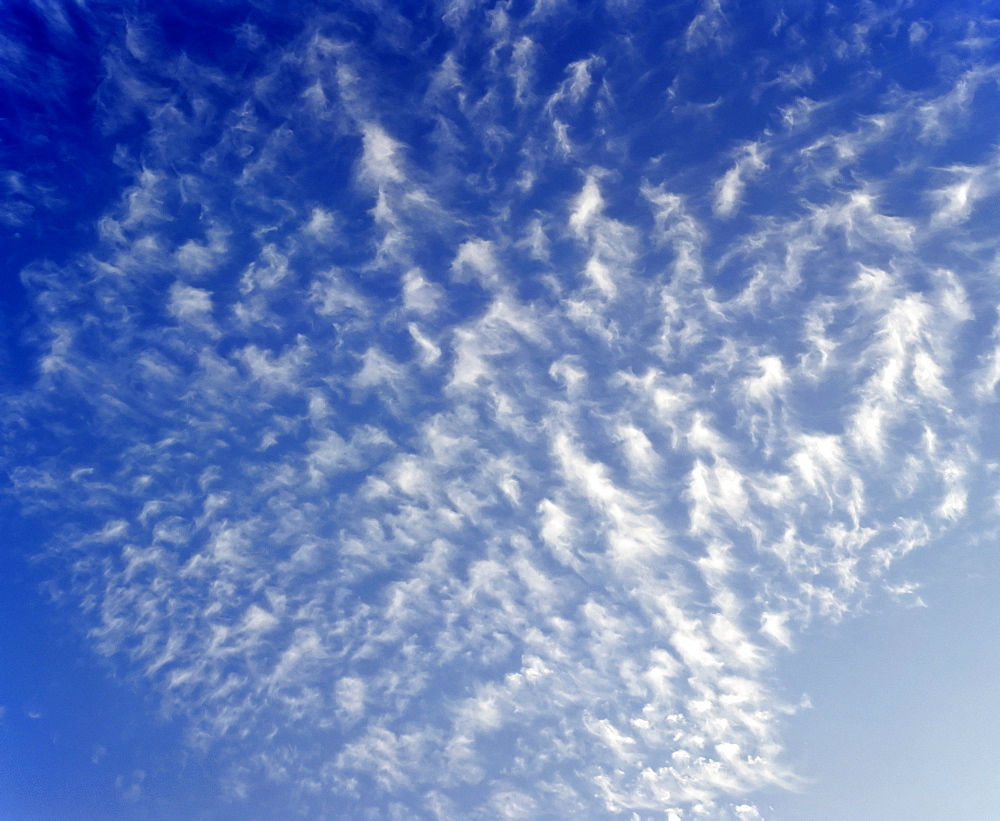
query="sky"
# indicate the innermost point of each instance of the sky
(495, 410)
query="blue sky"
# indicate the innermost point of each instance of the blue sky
(499, 410)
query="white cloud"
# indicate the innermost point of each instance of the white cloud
(420, 295)
(729, 188)
(192, 305)
(579, 79)
(381, 162)
(417, 448)
(476, 259)
(322, 225)
(708, 28)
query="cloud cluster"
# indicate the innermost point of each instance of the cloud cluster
(443, 435)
